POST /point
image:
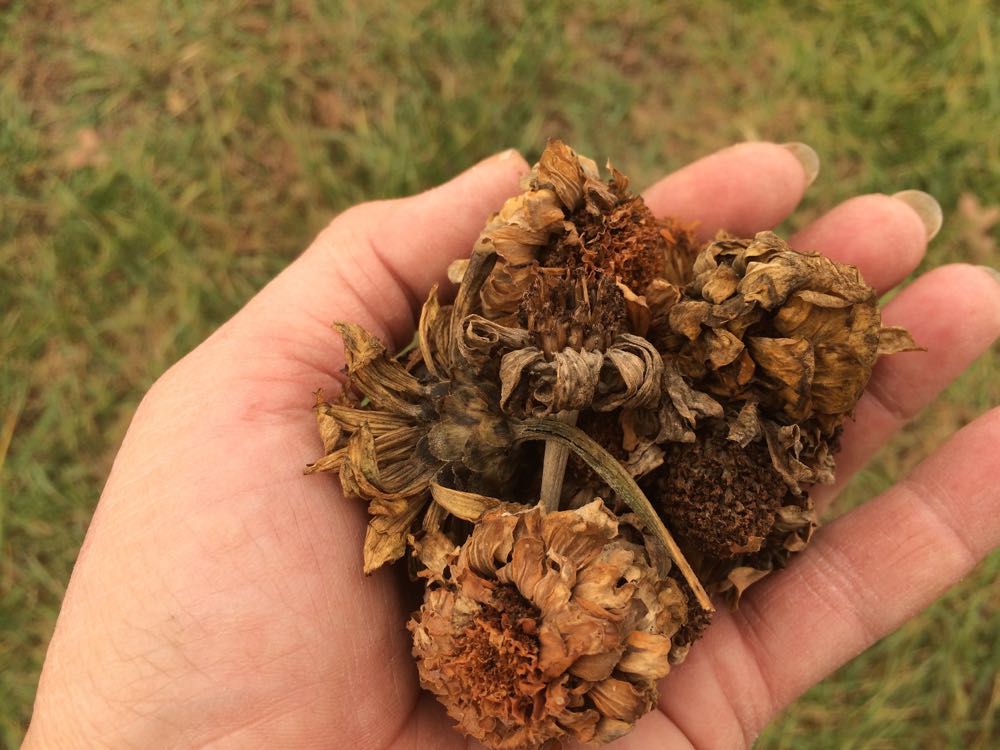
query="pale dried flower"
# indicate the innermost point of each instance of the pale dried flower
(797, 332)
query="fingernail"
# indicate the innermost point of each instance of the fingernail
(992, 272)
(807, 157)
(927, 208)
(508, 154)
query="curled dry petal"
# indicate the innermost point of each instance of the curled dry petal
(329, 427)
(894, 339)
(379, 377)
(483, 339)
(631, 375)
(431, 545)
(385, 537)
(433, 331)
(546, 627)
(469, 506)
(627, 375)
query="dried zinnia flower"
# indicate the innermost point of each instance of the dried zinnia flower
(583, 271)
(408, 431)
(797, 332)
(388, 454)
(567, 218)
(547, 626)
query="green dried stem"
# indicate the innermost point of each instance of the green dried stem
(618, 480)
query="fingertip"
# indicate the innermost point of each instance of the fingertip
(954, 312)
(495, 178)
(514, 158)
(743, 189)
(807, 158)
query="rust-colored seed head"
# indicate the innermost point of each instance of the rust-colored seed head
(579, 310)
(497, 654)
(547, 626)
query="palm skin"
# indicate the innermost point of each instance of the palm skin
(219, 599)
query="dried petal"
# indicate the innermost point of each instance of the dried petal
(482, 339)
(791, 365)
(329, 428)
(746, 427)
(893, 340)
(739, 580)
(630, 376)
(468, 506)
(385, 538)
(383, 380)
(432, 335)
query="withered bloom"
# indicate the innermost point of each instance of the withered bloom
(797, 332)
(394, 432)
(389, 453)
(568, 219)
(547, 626)
(583, 271)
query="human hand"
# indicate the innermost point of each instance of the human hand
(218, 597)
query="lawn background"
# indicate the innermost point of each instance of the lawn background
(159, 161)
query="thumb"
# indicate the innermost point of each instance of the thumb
(374, 264)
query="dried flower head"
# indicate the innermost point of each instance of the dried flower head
(796, 332)
(395, 432)
(570, 235)
(718, 496)
(547, 626)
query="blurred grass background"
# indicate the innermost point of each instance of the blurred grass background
(159, 161)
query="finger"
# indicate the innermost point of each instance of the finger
(862, 577)
(375, 262)
(743, 189)
(885, 237)
(965, 301)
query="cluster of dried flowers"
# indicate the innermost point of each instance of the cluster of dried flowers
(609, 425)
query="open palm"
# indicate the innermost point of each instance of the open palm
(218, 598)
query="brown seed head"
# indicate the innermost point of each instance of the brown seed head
(576, 309)
(568, 219)
(547, 626)
(718, 497)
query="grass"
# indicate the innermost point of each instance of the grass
(159, 161)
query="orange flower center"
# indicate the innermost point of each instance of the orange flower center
(496, 659)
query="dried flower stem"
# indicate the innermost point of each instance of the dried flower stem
(554, 466)
(619, 480)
